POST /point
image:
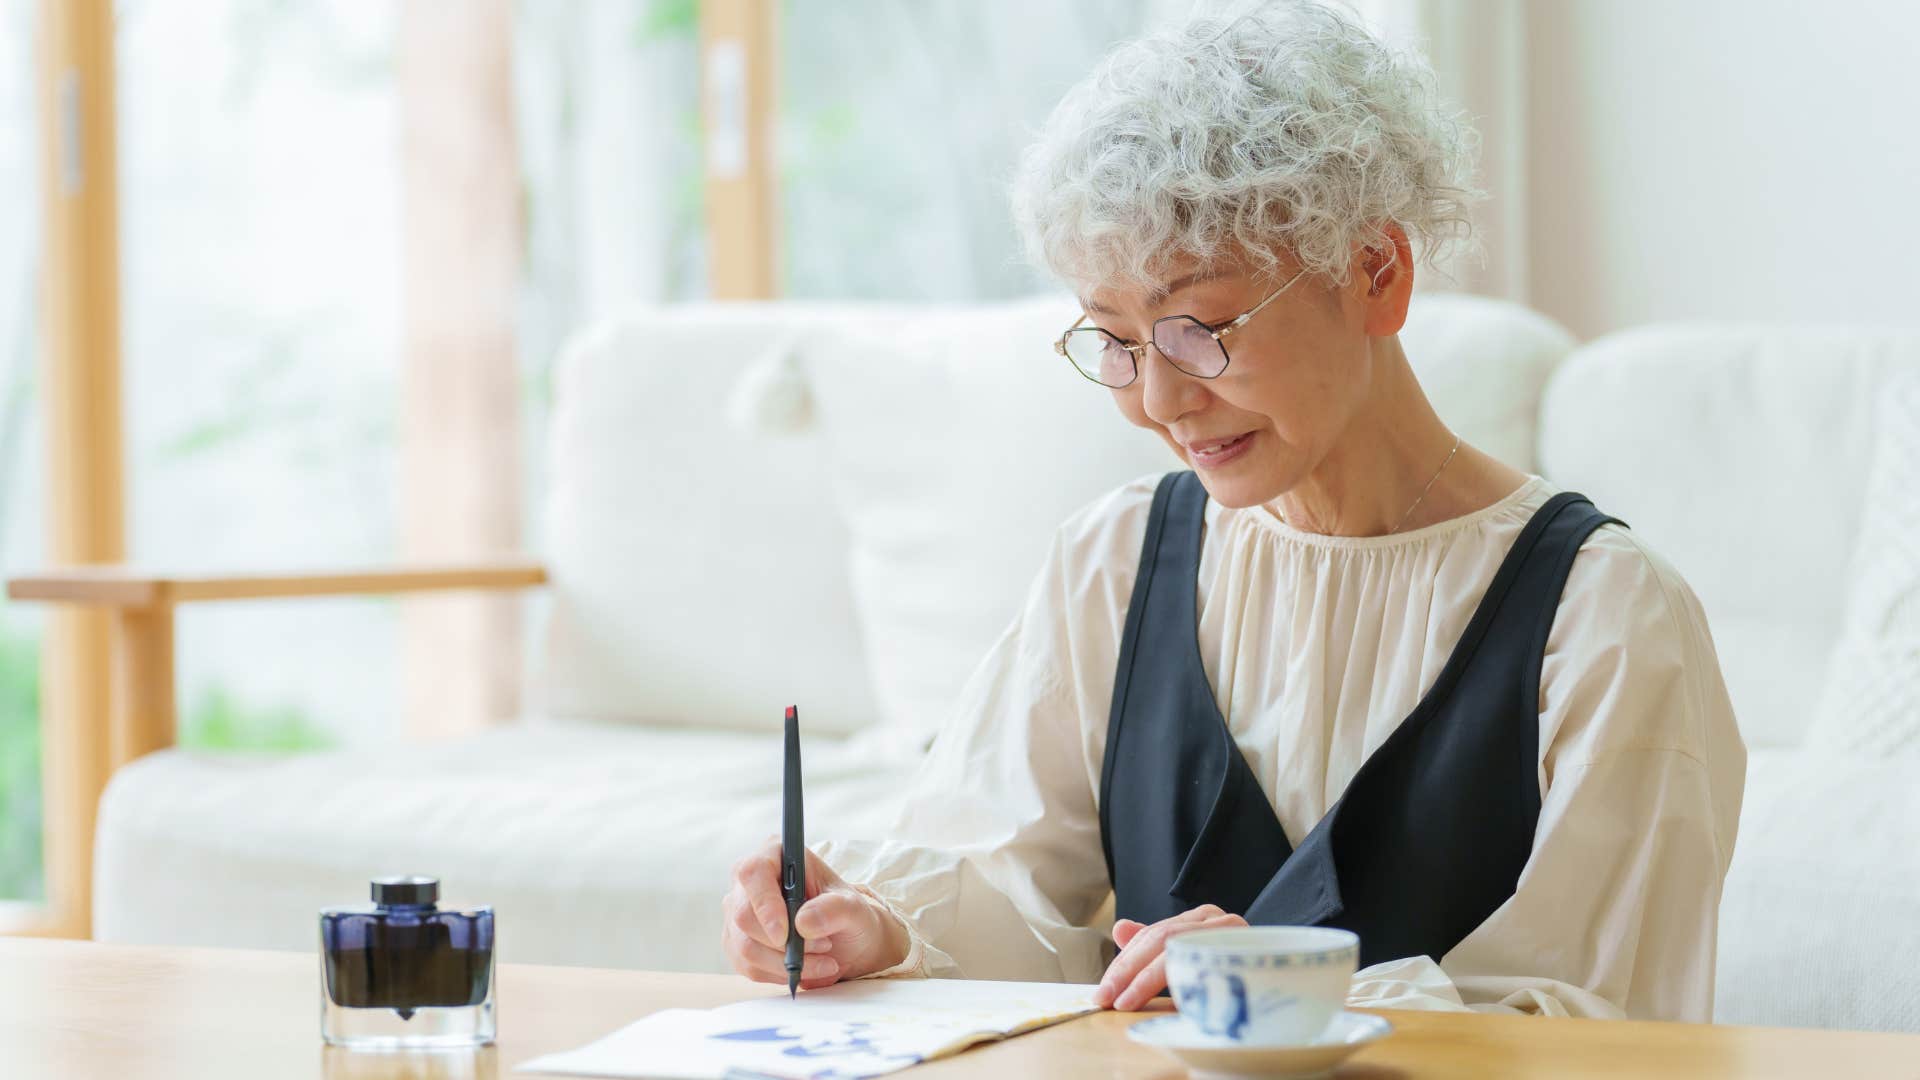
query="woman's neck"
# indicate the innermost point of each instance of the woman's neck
(1392, 448)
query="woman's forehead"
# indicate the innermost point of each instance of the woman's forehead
(1110, 300)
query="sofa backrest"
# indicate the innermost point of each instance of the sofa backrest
(1740, 454)
(700, 567)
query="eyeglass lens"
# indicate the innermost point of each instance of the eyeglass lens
(1181, 339)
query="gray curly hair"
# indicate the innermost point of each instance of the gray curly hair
(1288, 127)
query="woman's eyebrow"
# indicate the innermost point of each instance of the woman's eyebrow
(1160, 296)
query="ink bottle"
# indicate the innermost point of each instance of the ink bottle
(404, 973)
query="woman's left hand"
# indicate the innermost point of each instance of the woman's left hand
(1140, 971)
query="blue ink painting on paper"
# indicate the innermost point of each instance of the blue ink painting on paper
(851, 1039)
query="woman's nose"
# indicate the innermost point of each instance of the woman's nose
(1166, 392)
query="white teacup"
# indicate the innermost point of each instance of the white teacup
(1261, 984)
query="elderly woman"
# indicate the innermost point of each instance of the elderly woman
(1348, 670)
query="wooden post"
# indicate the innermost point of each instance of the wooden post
(143, 704)
(80, 291)
(461, 466)
(738, 55)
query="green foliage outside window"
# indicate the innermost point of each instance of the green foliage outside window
(19, 766)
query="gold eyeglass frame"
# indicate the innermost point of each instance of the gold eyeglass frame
(1216, 332)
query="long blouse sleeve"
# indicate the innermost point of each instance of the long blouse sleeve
(995, 868)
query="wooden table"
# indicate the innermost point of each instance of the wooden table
(82, 1010)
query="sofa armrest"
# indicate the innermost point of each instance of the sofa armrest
(127, 587)
(141, 714)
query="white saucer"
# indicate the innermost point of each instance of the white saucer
(1210, 1057)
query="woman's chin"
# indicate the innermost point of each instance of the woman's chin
(1239, 485)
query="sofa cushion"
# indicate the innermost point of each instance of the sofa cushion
(1870, 703)
(1741, 452)
(1820, 916)
(597, 844)
(698, 576)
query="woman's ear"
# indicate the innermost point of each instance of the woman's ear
(1384, 280)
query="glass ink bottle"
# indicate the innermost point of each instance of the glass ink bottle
(404, 973)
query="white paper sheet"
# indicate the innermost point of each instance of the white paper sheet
(841, 1032)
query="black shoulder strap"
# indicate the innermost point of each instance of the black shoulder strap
(1157, 554)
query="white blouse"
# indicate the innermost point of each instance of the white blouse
(1317, 647)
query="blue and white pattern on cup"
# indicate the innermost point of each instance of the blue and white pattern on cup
(1208, 959)
(1216, 1004)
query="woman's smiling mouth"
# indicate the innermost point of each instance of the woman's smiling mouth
(1217, 452)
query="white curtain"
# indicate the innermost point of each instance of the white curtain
(606, 96)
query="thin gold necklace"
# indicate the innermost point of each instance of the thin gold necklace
(1423, 491)
(1429, 487)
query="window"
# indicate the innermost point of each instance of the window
(20, 471)
(260, 270)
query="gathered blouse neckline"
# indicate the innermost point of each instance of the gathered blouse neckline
(1520, 498)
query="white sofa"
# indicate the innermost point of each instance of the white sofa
(840, 506)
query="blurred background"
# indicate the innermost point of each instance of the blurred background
(311, 191)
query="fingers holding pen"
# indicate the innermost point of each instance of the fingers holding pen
(770, 965)
(756, 890)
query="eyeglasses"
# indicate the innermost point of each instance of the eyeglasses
(1186, 342)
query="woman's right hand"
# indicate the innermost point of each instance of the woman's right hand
(848, 934)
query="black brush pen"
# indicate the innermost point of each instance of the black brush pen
(793, 853)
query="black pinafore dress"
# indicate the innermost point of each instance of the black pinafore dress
(1431, 833)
